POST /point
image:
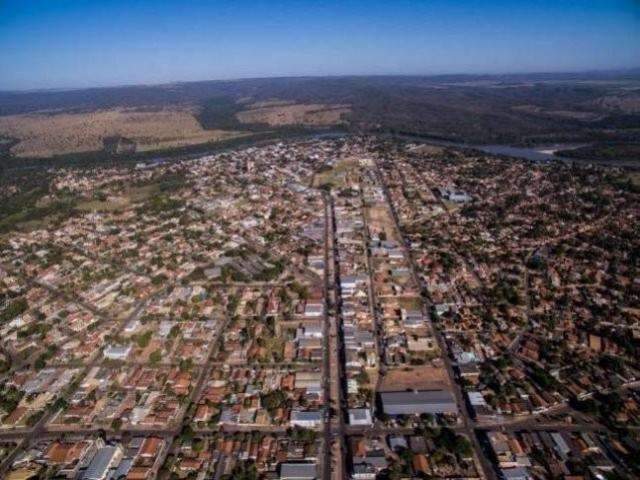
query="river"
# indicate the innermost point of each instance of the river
(540, 153)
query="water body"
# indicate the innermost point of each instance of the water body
(540, 153)
(547, 154)
(537, 154)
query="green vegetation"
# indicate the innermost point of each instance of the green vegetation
(34, 328)
(449, 441)
(155, 357)
(186, 364)
(304, 435)
(59, 404)
(606, 151)
(220, 113)
(42, 360)
(144, 339)
(273, 400)
(116, 424)
(543, 378)
(10, 398)
(300, 290)
(15, 308)
(161, 203)
(244, 470)
(28, 208)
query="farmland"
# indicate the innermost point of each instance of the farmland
(46, 135)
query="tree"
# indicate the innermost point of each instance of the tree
(303, 435)
(186, 364)
(144, 339)
(175, 330)
(187, 433)
(14, 309)
(40, 362)
(273, 400)
(155, 356)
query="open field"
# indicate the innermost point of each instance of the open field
(380, 220)
(337, 175)
(423, 378)
(118, 202)
(278, 113)
(45, 135)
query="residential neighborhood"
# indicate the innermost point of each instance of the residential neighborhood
(327, 308)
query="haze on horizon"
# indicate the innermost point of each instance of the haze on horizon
(65, 44)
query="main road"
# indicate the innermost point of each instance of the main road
(467, 423)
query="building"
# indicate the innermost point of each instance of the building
(105, 459)
(418, 402)
(517, 473)
(310, 381)
(364, 471)
(306, 419)
(360, 416)
(313, 310)
(117, 352)
(298, 471)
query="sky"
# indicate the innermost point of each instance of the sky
(87, 43)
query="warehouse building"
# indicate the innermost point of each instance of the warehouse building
(417, 402)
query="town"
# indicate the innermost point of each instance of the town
(324, 308)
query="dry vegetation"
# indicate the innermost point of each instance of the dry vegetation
(629, 103)
(278, 113)
(426, 377)
(45, 135)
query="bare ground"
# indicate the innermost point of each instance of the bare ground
(423, 377)
(45, 135)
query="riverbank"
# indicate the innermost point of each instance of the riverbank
(541, 153)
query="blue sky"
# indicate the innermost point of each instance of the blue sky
(81, 43)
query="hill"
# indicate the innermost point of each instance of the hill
(515, 109)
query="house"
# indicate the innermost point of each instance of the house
(517, 473)
(310, 381)
(104, 460)
(150, 447)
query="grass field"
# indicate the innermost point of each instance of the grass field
(132, 195)
(336, 176)
(45, 135)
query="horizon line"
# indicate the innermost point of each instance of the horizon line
(621, 70)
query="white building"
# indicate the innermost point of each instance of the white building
(360, 416)
(117, 352)
(313, 310)
(306, 419)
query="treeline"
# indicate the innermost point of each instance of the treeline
(605, 151)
